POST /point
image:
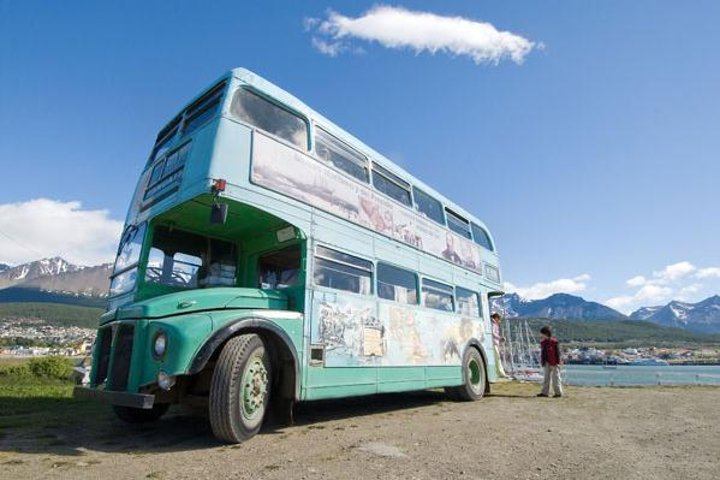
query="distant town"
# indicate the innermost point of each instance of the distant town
(646, 356)
(32, 337)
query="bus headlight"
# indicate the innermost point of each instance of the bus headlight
(159, 345)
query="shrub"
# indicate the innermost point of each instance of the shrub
(19, 370)
(51, 367)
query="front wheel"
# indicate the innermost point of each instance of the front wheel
(475, 379)
(240, 389)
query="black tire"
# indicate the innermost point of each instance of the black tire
(240, 389)
(474, 376)
(141, 415)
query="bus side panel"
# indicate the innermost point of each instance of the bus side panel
(400, 379)
(443, 377)
(339, 382)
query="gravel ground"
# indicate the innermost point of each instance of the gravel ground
(625, 433)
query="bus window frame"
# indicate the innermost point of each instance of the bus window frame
(372, 269)
(449, 286)
(478, 297)
(449, 213)
(485, 233)
(394, 178)
(415, 189)
(416, 276)
(334, 138)
(277, 103)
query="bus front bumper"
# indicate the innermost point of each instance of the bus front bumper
(123, 399)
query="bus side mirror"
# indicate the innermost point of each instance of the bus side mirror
(218, 214)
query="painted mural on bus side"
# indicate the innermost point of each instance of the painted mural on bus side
(359, 332)
(290, 172)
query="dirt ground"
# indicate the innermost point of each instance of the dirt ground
(624, 433)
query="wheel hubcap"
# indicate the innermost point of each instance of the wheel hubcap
(255, 382)
(474, 374)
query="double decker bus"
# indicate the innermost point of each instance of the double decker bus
(270, 257)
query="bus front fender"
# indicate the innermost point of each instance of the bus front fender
(266, 329)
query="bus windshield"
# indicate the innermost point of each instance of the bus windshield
(182, 259)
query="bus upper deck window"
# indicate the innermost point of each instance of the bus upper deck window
(481, 237)
(259, 112)
(391, 185)
(428, 206)
(340, 155)
(458, 224)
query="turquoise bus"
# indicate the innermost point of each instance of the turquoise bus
(270, 257)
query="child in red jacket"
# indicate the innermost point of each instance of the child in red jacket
(551, 361)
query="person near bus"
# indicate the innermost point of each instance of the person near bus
(551, 361)
(497, 340)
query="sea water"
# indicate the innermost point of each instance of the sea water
(624, 375)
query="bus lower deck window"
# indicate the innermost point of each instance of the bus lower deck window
(342, 271)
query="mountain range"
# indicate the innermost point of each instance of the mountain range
(59, 281)
(54, 280)
(700, 317)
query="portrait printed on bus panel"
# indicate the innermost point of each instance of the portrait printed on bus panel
(450, 253)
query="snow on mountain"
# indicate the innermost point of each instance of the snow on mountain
(36, 269)
(57, 275)
(645, 312)
(701, 317)
(560, 306)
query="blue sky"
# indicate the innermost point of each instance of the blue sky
(594, 161)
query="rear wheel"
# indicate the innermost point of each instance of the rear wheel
(475, 378)
(141, 415)
(240, 389)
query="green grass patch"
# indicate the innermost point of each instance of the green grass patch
(52, 313)
(36, 370)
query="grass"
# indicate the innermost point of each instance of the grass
(52, 313)
(31, 401)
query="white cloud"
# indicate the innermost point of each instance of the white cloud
(399, 28)
(648, 295)
(674, 271)
(328, 48)
(710, 272)
(620, 303)
(659, 288)
(637, 281)
(542, 290)
(687, 292)
(45, 228)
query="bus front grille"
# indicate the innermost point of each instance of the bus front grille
(122, 355)
(104, 343)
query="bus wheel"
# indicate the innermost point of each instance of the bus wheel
(474, 376)
(141, 415)
(240, 389)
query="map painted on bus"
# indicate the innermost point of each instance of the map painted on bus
(287, 171)
(363, 332)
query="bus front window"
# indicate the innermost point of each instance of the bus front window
(186, 260)
(125, 270)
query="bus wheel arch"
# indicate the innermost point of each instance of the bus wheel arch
(474, 373)
(282, 355)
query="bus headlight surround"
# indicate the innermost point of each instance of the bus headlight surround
(159, 345)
